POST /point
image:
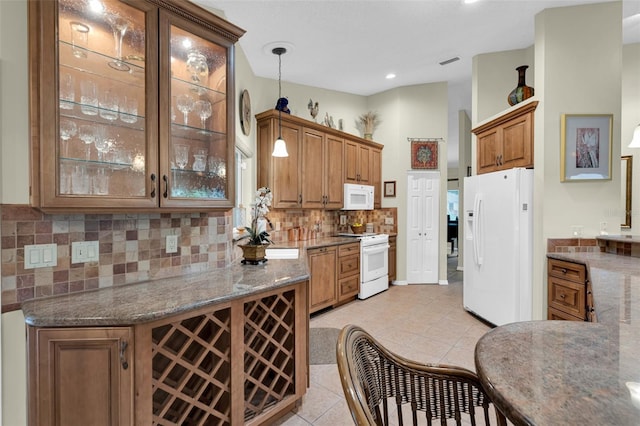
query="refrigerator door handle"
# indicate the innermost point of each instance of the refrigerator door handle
(477, 229)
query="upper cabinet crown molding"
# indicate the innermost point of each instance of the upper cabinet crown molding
(131, 107)
(273, 113)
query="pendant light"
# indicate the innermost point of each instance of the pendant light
(280, 147)
(635, 141)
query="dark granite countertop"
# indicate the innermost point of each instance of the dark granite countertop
(566, 372)
(155, 299)
(151, 300)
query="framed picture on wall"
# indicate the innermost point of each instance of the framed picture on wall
(424, 155)
(390, 188)
(585, 147)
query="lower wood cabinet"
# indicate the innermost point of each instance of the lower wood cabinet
(348, 272)
(569, 292)
(335, 275)
(392, 257)
(322, 284)
(81, 376)
(238, 362)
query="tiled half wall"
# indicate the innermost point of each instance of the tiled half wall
(132, 246)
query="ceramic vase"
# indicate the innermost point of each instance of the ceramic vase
(523, 91)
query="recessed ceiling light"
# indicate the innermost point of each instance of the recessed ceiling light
(469, 1)
(390, 76)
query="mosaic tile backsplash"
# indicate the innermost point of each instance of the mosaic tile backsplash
(132, 246)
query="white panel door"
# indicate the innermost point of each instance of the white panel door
(423, 204)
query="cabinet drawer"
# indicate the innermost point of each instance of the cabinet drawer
(348, 265)
(348, 249)
(349, 287)
(567, 270)
(567, 296)
(554, 314)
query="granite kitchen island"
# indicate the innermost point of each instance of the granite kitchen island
(226, 347)
(572, 372)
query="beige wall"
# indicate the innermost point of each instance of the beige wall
(578, 71)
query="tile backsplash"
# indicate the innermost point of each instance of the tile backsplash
(132, 246)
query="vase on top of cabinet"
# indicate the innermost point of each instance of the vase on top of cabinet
(128, 99)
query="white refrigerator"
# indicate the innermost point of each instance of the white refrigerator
(498, 245)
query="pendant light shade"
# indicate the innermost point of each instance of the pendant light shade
(635, 141)
(280, 146)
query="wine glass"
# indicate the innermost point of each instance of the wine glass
(185, 106)
(88, 136)
(68, 129)
(119, 26)
(182, 155)
(103, 142)
(203, 109)
(197, 66)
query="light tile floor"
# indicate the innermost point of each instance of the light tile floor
(422, 322)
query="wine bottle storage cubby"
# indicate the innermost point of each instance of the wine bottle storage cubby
(191, 370)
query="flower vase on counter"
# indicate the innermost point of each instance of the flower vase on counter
(522, 91)
(254, 251)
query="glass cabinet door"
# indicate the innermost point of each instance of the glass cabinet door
(199, 163)
(103, 130)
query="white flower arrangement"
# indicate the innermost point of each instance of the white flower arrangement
(263, 199)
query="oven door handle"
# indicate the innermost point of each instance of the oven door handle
(378, 248)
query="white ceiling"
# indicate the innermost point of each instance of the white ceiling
(351, 45)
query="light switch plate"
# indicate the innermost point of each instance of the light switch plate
(40, 255)
(388, 221)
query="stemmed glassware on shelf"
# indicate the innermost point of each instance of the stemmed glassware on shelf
(88, 136)
(182, 155)
(103, 142)
(203, 109)
(68, 129)
(119, 26)
(185, 106)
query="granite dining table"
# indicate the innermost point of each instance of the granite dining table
(572, 372)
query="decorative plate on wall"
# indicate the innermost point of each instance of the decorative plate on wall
(245, 112)
(424, 155)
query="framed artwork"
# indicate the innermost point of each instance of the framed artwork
(424, 155)
(390, 188)
(585, 152)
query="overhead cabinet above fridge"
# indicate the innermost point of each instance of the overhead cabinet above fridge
(131, 106)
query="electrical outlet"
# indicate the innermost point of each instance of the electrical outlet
(343, 219)
(85, 251)
(388, 221)
(172, 244)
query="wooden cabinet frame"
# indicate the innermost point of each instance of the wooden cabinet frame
(248, 355)
(44, 119)
(506, 141)
(314, 180)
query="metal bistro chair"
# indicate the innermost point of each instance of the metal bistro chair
(375, 380)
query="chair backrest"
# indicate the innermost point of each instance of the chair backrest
(380, 385)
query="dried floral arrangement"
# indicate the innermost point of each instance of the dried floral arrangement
(367, 123)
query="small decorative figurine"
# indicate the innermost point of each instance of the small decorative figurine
(281, 105)
(313, 109)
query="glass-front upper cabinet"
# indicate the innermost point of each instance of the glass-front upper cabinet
(129, 108)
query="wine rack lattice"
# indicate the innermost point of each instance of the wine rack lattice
(191, 371)
(269, 365)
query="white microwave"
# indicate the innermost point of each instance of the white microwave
(358, 197)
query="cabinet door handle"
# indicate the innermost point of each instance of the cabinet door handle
(564, 271)
(300, 199)
(153, 185)
(123, 357)
(166, 186)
